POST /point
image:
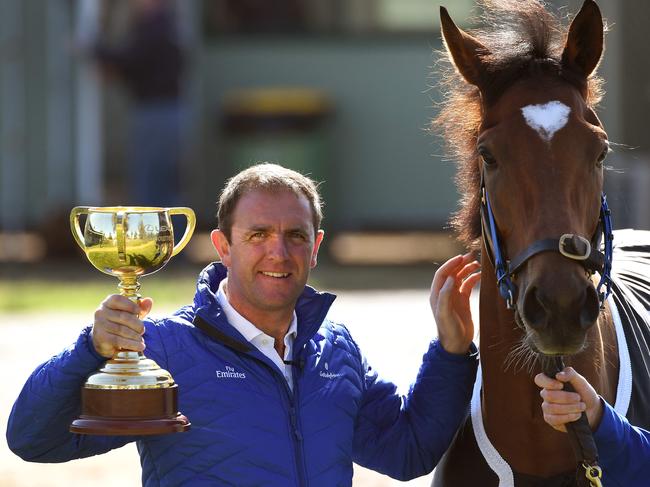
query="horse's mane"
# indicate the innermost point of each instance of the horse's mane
(523, 39)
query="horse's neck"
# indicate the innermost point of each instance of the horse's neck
(510, 399)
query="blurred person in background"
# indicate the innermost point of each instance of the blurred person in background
(623, 449)
(149, 64)
(276, 392)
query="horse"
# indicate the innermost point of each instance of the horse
(519, 115)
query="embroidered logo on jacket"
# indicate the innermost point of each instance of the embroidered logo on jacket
(329, 375)
(230, 373)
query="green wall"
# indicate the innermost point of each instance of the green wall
(385, 170)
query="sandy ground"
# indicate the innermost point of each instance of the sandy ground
(393, 343)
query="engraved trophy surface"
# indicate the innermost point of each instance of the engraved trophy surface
(130, 394)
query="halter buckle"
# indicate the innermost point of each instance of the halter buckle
(570, 246)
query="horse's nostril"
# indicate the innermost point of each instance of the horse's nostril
(534, 311)
(590, 308)
(539, 309)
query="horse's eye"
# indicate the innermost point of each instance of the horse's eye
(487, 158)
(603, 156)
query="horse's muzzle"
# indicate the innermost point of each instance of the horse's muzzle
(559, 314)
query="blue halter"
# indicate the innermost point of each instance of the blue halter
(570, 245)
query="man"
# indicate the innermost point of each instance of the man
(300, 403)
(623, 449)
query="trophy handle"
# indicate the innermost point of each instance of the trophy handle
(120, 224)
(74, 224)
(189, 229)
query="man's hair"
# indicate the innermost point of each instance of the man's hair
(266, 177)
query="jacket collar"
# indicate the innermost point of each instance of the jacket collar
(311, 309)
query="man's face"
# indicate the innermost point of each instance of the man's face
(273, 246)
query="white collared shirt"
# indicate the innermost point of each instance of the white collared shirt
(260, 340)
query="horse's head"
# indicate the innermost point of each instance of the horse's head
(538, 161)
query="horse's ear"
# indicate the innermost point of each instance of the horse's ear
(584, 44)
(465, 50)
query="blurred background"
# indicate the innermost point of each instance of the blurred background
(153, 102)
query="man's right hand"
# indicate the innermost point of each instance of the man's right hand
(118, 325)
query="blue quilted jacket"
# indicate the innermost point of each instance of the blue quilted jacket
(248, 428)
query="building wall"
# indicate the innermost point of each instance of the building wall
(385, 171)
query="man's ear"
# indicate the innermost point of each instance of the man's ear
(320, 234)
(465, 51)
(222, 246)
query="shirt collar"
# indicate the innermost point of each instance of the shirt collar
(247, 329)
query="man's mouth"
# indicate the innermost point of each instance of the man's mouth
(278, 275)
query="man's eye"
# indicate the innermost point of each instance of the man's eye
(257, 235)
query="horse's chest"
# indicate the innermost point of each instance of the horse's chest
(464, 465)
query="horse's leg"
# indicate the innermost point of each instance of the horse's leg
(463, 464)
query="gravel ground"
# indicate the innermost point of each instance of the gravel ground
(372, 316)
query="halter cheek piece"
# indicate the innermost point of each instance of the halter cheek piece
(571, 246)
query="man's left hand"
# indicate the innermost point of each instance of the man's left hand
(450, 292)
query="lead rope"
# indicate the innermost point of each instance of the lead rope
(580, 437)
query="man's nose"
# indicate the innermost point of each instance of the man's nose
(278, 248)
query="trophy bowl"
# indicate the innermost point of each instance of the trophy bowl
(130, 394)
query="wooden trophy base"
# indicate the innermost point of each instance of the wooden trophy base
(118, 412)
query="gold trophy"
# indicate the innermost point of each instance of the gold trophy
(130, 394)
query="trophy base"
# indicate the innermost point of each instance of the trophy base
(118, 412)
(85, 425)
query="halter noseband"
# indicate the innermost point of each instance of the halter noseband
(569, 245)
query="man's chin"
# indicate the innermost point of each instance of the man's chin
(277, 301)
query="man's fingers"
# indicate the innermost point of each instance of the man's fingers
(443, 305)
(566, 374)
(546, 382)
(108, 344)
(559, 408)
(145, 306)
(467, 269)
(108, 337)
(560, 397)
(112, 328)
(448, 268)
(579, 383)
(440, 277)
(118, 302)
(117, 325)
(558, 421)
(469, 283)
(104, 316)
(126, 344)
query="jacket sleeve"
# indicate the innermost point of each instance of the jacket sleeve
(623, 450)
(405, 436)
(50, 400)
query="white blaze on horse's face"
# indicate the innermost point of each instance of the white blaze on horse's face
(546, 119)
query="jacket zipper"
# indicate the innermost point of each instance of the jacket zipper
(295, 433)
(291, 397)
(295, 423)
